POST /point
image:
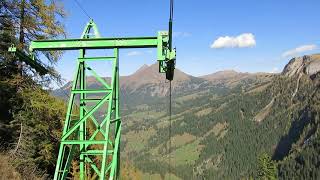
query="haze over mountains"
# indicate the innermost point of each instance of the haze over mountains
(222, 122)
(148, 76)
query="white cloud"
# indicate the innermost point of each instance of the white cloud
(241, 41)
(300, 49)
(134, 53)
(181, 34)
(275, 70)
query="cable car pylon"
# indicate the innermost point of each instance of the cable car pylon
(88, 138)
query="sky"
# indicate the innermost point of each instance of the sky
(210, 35)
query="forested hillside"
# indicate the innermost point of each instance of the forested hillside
(220, 130)
(30, 118)
(226, 125)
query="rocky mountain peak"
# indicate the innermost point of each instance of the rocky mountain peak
(308, 64)
(223, 75)
(150, 75)
(142, 68)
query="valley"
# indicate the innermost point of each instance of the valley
(221, 122)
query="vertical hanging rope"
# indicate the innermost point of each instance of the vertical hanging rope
(170, 124)
(170, 90)
(170, 25)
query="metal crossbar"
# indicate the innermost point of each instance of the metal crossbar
(95, 141)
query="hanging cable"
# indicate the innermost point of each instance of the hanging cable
(170, 124)
(171, 9)
(170, 24)
(83, 10)
(170, 90)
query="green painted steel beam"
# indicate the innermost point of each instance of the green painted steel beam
(94, 43)
(97, 58)
(91, 100)
(79, 91)
(92, 164)
(81, 127)
(29, 60)
(84, 118)
(96, 152)
(83, 142)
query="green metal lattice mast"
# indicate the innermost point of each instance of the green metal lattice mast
(90, 138)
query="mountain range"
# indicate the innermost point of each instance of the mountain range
(222, 122)
(149, 77)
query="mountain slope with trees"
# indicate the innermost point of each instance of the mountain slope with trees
(29, 128)
(226, 125)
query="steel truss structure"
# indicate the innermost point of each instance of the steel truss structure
(86, 139)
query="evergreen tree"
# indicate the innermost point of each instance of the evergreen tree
(267, 168)
(31, 20)
(30, 118)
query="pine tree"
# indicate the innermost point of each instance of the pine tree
(34, 20)
(267, 168)
(29, 127)
(7, 37)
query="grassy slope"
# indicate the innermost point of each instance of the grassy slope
(227, 137)
(218, 130)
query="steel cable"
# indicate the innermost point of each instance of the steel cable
(83, 10)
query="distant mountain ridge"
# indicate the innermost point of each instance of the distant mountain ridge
(222, 122)
(149, 76)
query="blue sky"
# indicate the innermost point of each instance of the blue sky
(278, 29)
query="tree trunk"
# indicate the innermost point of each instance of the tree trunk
(21, 33)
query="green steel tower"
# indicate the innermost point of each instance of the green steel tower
(90, 138)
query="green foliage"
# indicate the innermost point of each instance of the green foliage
(302, 161)
(30, 118)
(230, 153)
(303, 164)
(128, 172)
(289, 122)
(36, 20)
(32, 20)
(267, 168)
(40, 117)
(33, 126)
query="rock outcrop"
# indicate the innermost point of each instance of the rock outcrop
(309, 65)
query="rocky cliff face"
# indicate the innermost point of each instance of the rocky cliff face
(309, 65)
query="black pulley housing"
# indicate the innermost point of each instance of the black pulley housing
(170, 69)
